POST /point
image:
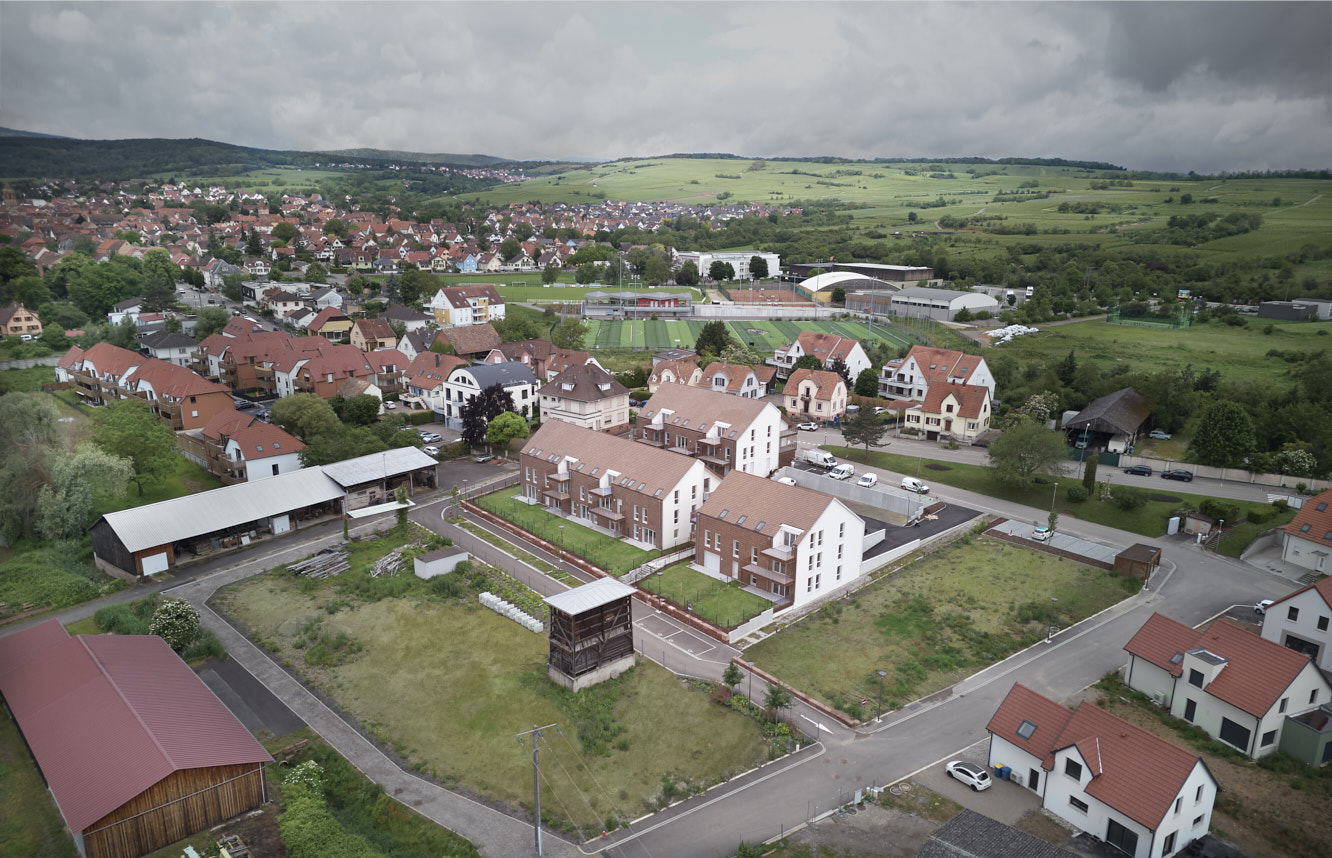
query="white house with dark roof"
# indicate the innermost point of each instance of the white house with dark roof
(464, 383)
(588, 396)
(1139, 793)
(1229, 681)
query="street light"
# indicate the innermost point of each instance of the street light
(659, 583)
(561, 542)
(1049, 630)
(878, 713)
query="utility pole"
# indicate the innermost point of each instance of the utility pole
(535, 732)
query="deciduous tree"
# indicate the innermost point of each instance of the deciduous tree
(361, 410)
(758, 267)
(66, 505)
(569, 334)
(209, 321)
(129, 429)
(505, 428)
(687, 275)
(719, 271)
(807, 362)
(1225, 437)
(484, 407)
(176, 621)
(1025, 451)
(305, 415)
(867, 382)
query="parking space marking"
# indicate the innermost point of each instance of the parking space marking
(681, 638)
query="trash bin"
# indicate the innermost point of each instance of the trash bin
(1005, 772)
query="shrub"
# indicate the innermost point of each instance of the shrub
(1220, 510)
(1260, 514)
(1128, 498)
(1077, 494)
(176, 622)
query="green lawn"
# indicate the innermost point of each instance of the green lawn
(1149, 520)
(30, 825)
(723, 604)
(1239, 353)
(613, 555)
(764, 335)
(26, 379)
(449, 685)
(937, 621)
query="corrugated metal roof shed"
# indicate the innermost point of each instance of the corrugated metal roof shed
(194, 515)
(108, 716)
(377, 466)
(600, 592)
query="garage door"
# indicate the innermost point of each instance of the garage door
(712, 562)
(281, 523)
(154, 563)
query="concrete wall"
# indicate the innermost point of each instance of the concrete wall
(1274, 480)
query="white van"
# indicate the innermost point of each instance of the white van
(912, 484)
(843, 471)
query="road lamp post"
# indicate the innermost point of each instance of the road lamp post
(561, 542)
(659, 584)
(878, 713)
(1049, 629)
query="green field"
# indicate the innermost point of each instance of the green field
(763, 335)
(1239, 353)
(450, 685)
(937, 621)
(881, 195)
(723, 604)
(613, 555)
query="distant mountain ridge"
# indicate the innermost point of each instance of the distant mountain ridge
(473, 160)
(15, 132)
(24, 154)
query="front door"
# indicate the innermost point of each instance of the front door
(1034, 779)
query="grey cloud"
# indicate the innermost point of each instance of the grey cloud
(1148, 85)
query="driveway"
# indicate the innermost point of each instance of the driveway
(1004, 801)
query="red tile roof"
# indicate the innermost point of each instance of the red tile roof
(939, 365)
(108, 716)
(971, 398)
(472, 339)
(826, 347)
(260, 440)
(1314, 521)
(1257, 672)
(1134, 772)
(825, 382)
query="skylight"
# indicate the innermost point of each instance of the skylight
(1177, 658)
(1026, 730)
(724, 513)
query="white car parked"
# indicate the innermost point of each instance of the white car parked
(867, 481)
(970, 774)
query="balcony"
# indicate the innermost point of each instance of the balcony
(783, 554)
(766, 574)
(600, 491)
(556, 494)
(607, 513)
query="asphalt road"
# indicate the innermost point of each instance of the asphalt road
(980, 456)
(1191, 587)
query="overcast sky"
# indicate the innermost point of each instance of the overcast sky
(1164, 86)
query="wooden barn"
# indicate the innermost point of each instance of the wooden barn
(1138, 561)
(591, 633)
(137, 752)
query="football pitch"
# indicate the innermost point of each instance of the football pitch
(763, 335)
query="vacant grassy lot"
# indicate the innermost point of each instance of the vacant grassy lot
(25, 379)
(937, 621)
(726, 605)
(611, 554)
(450, 684)
(1239, 353)
(1149, 520)
(30, 825)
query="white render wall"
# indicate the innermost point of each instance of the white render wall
(1146, 677)
(824, 554)
(1276, 625)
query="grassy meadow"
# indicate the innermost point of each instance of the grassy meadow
(880, 196)
(934, 623)
(450, 685)
(1239, 353)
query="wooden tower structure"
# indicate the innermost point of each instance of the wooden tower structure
(591, 633)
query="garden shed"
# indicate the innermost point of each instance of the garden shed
(591, 633)
(1138, 561)
(137, 752)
